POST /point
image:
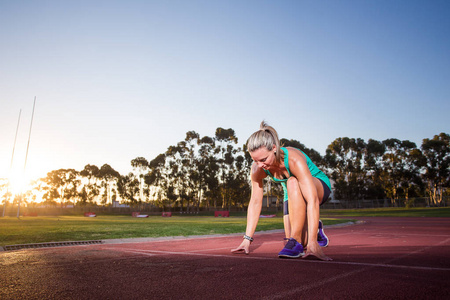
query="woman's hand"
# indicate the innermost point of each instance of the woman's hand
(244, 247)
(313, 250)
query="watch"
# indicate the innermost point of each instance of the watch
(248, 238)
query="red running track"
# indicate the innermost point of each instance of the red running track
(382, 258)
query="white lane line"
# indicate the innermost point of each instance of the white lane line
(141, 252)
(418, 251)
(229, 248)
(376, 265)
(385, 265)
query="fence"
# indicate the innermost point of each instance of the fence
(378, 203)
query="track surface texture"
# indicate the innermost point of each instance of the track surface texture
(381, 258)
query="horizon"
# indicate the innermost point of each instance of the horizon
(19, 174)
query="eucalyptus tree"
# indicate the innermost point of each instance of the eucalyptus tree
(61, 184)
(168, 175)
(225, 151)
(72, 192)
(401, 166)
(128, 188)
(437, 167)
(230, 171)
(157, 178)
(192, 168)
(392, 168)
(183, 165)
(91, 189)
(83, 196)
(36, 191)
(413, 184)
(5, 193)
(412, 163)
(110, 177)
(175, 176)
(313, 154)
(140, 166)
(51, 195)
(208, 170)
(373, 166)
(71, 182)
(345, 158)
(200, 166)
(240, 187)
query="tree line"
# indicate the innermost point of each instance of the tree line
(213, 172)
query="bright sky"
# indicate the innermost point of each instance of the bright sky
(116, 80)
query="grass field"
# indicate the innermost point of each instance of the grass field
(28, 230)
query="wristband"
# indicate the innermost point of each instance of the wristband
(248, 238)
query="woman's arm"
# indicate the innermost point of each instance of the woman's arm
(254, 207)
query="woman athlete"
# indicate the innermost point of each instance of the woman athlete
(305, 188)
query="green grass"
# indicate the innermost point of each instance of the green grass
(29, 230)
(389, 212)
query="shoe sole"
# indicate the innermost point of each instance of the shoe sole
(291, 256)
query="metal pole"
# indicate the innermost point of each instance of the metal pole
(29, 135)
(26, 154)
(15, 139)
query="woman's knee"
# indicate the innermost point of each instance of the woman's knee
(294, 190)
(293, 187)
(292, 183)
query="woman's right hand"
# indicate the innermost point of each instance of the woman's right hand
(244, 247)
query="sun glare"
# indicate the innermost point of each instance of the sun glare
(18, 183)
(23, 182)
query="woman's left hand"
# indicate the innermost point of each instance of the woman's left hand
(244, 247)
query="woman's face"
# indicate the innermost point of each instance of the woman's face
(263, 157)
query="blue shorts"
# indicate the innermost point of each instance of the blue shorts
(326, 195)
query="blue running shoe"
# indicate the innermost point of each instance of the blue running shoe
(292, 249)
(322, 239)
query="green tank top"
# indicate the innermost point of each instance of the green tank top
(315, 172)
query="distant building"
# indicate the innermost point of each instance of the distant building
(117, 204)
(272, 201)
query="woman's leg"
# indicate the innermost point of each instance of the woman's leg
(304, 216)
(297, 209)
(312, 207)
(287, 226)
(313, 211)
(287, 229)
